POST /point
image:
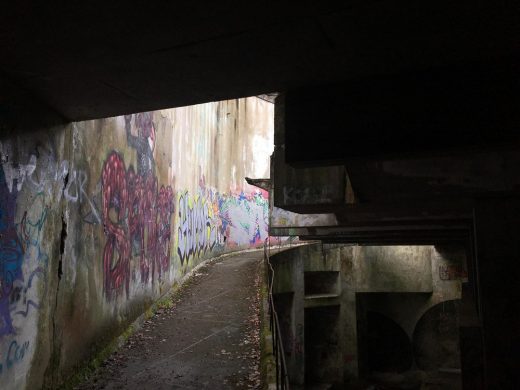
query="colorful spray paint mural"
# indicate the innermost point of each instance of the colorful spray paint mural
(137, 216)
(136, 213)
(245, 217)
(22, 260)
(211, 221)
(200, 229)
(99, 218)
(11, 255)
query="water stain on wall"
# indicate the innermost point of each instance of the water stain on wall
(99, 218)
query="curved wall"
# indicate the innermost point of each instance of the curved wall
(98, 219)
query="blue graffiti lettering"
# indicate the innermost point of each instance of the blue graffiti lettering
(16, 353)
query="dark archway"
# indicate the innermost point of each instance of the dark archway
(388, 346)
(436, 337)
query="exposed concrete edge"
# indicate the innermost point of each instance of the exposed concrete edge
(267, 359)
(86, 370)
(210, 260)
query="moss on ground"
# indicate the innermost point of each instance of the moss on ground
(167, 301)
(85, 371)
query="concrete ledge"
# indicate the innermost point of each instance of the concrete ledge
(267, 360)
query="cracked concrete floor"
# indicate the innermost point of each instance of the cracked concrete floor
(208, 339)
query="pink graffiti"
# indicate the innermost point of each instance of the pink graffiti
(137, 221)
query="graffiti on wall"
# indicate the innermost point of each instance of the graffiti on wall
(452, 272)
(22, 259)
(136, 214)
(245, 217)
(11, 255)
(42, 171)
(15, 354)
(200, 228)
(210, 220)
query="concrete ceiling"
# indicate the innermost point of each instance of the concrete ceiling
(63, 61)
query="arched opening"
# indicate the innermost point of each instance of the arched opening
(436, 338)
(388, 348)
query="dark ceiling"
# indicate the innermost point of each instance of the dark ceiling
(82, 60)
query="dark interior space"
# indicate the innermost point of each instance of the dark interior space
(391, 358)
(464, 107)
(388, 348)
(284, 309)
(436, 338)
(321, 283)
(321, 344)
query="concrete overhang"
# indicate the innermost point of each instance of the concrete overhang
(93, 59)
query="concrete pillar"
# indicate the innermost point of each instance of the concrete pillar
(497, 251)
(349, 336)
(298, 374)
(348, 315)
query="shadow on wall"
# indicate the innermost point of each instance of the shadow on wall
(322, 350)
(388, 348)
(436, 337)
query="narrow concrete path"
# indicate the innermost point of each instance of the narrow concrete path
(207, 340)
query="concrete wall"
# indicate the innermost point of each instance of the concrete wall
(402, 283)
(98, 219)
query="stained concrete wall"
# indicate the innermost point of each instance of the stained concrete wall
(98, 219)
(400, 282)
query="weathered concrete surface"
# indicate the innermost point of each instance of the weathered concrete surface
(209, 339)
(99, 219)
(389, 268)
(324, 292)
(31, 228)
